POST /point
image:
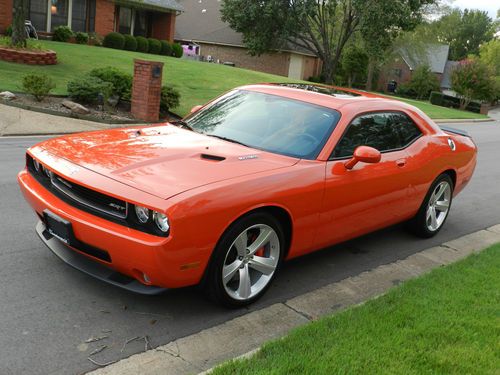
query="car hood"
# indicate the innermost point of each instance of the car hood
(162, 160)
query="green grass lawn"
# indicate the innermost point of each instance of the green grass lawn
(197, 82)
(446, 322)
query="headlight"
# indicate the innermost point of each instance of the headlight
(36, 164)
(142, 214)
(161, 221)
(47, 171)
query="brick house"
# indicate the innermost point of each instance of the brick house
(201, 26)
(401, 67)
(149, 18)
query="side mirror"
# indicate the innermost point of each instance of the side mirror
(363, 154)
(196, 108)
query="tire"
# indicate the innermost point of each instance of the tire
(426, 224)
(249, 269)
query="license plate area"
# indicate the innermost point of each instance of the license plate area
(58, 227)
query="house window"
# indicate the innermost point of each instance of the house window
(59, 13)
(38, 14)
(141, 23)
(125, 23)
(397, 72)
(46, 15)
(79, 16)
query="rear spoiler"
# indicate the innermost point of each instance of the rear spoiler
(448, 129)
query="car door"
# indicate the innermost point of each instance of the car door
(368, 196)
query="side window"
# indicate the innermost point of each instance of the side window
(384, 131)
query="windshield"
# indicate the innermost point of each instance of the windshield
(267, 122)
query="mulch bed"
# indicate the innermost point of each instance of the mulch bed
(53, 105)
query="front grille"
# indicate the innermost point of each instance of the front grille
(90, 198)
(91, 201)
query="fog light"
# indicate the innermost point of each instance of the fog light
(161, 221)
(146, 278)
(142, 214)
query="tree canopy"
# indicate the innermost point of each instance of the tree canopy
(322, 27)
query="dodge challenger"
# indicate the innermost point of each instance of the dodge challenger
(262, 174)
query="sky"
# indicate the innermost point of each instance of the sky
(490, 6)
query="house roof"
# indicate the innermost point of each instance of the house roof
(161, 5)
(434, 55)
(446, 80)
(201, 22)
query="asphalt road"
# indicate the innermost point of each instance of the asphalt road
(48, 310)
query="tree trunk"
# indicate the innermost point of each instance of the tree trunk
(19, 9)
(327, 72)
(369, 78)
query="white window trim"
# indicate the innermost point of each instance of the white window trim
(49, 14)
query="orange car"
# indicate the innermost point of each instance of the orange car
(261, 174)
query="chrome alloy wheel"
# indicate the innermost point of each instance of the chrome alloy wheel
(438, 206)
(251, 262)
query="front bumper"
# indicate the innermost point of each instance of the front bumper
(132, 253)
(92, 268)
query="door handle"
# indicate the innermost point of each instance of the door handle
(401, 162)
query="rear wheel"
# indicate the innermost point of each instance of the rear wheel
(246, 260)
(435, 208)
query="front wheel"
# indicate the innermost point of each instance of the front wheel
(435, 208)
(246, 260)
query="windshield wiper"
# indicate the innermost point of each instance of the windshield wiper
(227, 139)
(181, 124)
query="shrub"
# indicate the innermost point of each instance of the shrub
(130, 43)
(142, 44)
(62, 34)
(38, 85)
(423, 81)
(169, 98)
(8, 31)
(177, 50)
(121, 81)
(87, 88)
(154, 46)
(472, 79)
(405, 90)
(166, 48)
(114, 40)
(96, 39)
(82, 38)
(436, 98)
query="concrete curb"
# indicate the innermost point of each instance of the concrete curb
(244, 335)
(459, 121)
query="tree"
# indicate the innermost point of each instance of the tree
(383, 23)
(423, 81)
(19, 10)
(472, 79)
(464, 31)
(322, 27)
(489, 54)
(354, 63)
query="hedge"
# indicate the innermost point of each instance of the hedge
(438, 98)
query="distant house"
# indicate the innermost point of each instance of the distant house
(149, 18)
(200, 26)
(401, 67)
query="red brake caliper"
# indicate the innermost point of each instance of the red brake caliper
(260, 252)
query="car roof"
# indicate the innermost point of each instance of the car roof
(327, 96)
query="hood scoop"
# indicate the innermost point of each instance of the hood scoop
(211, 157)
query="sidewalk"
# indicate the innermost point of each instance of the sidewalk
(245, 334)
(17, 121)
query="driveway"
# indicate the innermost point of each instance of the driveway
(49, 310)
